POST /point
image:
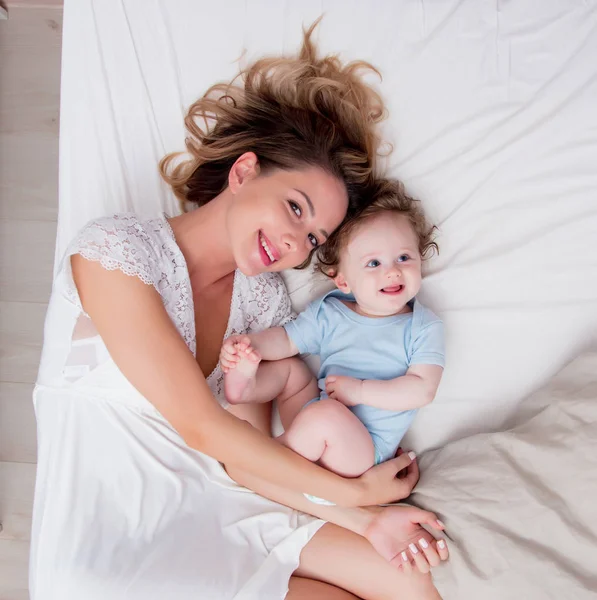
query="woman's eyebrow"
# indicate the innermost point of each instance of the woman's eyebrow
(312, 210)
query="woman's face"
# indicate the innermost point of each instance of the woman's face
(277, 219)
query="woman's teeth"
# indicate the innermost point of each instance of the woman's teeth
(266, 248)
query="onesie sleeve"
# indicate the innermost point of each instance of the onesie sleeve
(306, 331)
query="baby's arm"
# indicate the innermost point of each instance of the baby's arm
(413, 390)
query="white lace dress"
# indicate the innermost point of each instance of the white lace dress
(123, 508)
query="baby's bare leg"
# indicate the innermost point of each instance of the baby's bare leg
(328, 433)
(288, 380)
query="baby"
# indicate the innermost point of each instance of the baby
(381, 350)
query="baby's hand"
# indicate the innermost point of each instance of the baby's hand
(347, 390)
(232, 349)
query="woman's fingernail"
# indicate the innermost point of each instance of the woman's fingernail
(423, 543)
(413, 549)
(412, 455)
(405, 557)
(441, 544)
(440, 523)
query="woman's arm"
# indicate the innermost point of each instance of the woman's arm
(144, 343)
(389, 530)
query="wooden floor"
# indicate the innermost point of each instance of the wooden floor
(30, 42)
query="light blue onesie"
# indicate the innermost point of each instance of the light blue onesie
(369, 348)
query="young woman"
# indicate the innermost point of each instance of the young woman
(133, 426)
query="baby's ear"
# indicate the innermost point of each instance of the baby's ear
(341, 283)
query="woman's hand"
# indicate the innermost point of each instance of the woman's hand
(389, 482)
(396, 533)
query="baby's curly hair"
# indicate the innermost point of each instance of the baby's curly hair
(383, 195)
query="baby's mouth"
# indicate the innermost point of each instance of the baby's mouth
(392, 290)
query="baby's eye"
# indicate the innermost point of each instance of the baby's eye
(403, 258)
(296, 208)
(312, 239)
(373, 263)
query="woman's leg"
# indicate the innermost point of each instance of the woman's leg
(328, 433)
(300, 588)
(346, 560)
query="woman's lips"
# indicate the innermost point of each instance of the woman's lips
(268, 252)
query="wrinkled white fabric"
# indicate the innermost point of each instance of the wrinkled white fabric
(491, 112)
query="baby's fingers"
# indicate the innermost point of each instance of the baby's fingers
(229, 349)
(227, 365)
(228, 356)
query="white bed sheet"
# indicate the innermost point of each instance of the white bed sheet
(492, 114)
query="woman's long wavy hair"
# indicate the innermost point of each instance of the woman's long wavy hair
(292, 113)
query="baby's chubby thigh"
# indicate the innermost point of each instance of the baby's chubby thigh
(326, 431)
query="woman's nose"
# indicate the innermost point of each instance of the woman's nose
(289, 242)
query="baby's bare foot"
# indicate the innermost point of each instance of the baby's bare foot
(239, 382)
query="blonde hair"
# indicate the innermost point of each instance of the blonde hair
(291, 112)
(382, 196)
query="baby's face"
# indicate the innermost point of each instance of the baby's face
(381, 265)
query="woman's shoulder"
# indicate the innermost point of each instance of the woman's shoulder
(129, 227)
(126, 241)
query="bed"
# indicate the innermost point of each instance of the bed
(493, 122)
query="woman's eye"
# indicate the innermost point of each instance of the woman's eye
(373, 263)
(312, 239)
(296, 208)
(403, 258)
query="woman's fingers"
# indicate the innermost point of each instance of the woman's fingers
(427, 555)
(401, 474)
(430, 552)
(405, 562)
(387, 472)
(401, 462)
(419, 558)
(427, 517)
(442, 549)
(412, 473)
(407, 473)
